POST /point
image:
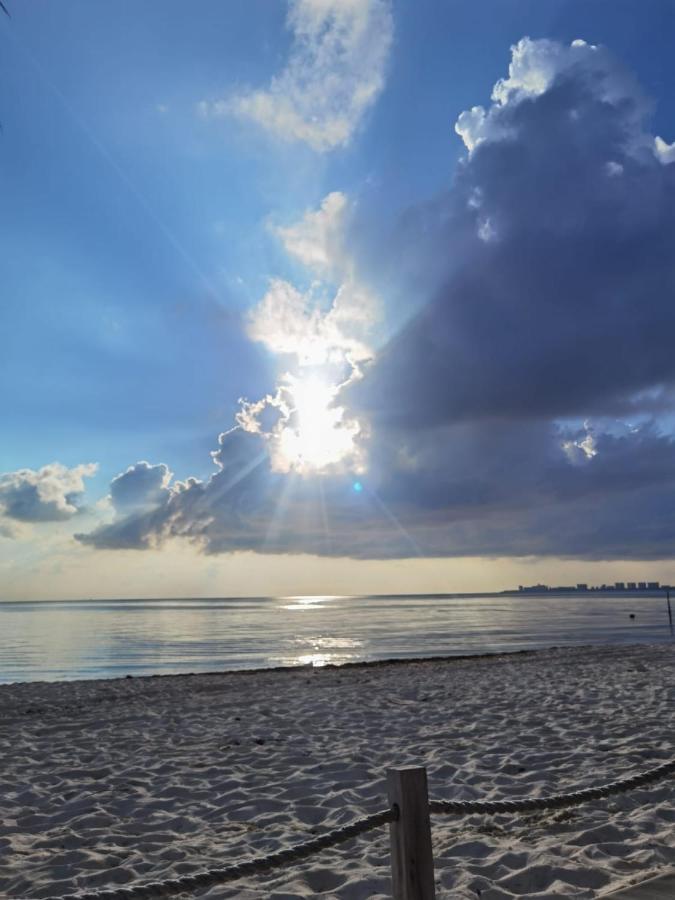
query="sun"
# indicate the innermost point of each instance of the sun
(315, 434)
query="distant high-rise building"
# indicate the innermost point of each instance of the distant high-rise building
(642, 585)
(630, 585)
(652, 585)
(619, 586)
(582, 587)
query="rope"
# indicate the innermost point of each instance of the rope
(224, 874)
(556, 801)
(210, 877)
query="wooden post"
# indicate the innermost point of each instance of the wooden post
(412, 861)
(670, 613)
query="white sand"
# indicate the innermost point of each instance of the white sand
(106, 782)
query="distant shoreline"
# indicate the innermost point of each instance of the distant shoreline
(597, 593)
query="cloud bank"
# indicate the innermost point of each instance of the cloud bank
(526, 409)
(334, 74)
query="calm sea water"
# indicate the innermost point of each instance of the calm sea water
(98, 639)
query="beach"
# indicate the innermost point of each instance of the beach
(121, 781)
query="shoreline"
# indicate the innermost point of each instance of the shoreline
(356, 664)
(309, 667)
(124, 781)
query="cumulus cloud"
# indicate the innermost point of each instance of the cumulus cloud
(334, 74)
(524, 409)
(50, 494)
(149, 509)
(559, 301)
(141, 486)
(472, 489)
(534, 68)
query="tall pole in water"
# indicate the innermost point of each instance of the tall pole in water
(670, 612)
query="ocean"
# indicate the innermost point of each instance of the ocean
(56, 640)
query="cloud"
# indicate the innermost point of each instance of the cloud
(141, 486)
(322, 335)
(332, 320)
(301, 324)
(535, 67)
(186, 508)
(665, 152)
(525, 409)
(334, 74)
(546, 274)
(50, 494)
(317, 239)
(479, 489)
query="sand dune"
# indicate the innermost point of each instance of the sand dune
(112, 782)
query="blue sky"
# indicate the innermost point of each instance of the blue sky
(162, 165)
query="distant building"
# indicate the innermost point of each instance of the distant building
(533, 588)
(652, 585)
(582, 587)
(630, 585)
(642, 585)
(619, 586)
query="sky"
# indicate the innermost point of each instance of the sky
(335, 296)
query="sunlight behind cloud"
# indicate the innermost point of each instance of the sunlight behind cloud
(325, 346)
(317, 435)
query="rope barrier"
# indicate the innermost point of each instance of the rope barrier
(556, 801)
(211, 877)
(224, 874)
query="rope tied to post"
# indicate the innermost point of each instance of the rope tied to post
(555, 801)
(224, 874)
(395, 814)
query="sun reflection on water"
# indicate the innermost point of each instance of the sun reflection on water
(309, 601)
(314, 659)
(322, 651)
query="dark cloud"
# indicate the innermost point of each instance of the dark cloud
(482, 489)
(498, 417)
(561, 301)
(140, 487)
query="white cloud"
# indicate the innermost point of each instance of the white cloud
(583, 447)
(288, 322)
(487, 231)
(317, 239)
(49, 494)
(665, 153)
(306, 324)
(535, 65)
(334, 74)
(613, 169)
